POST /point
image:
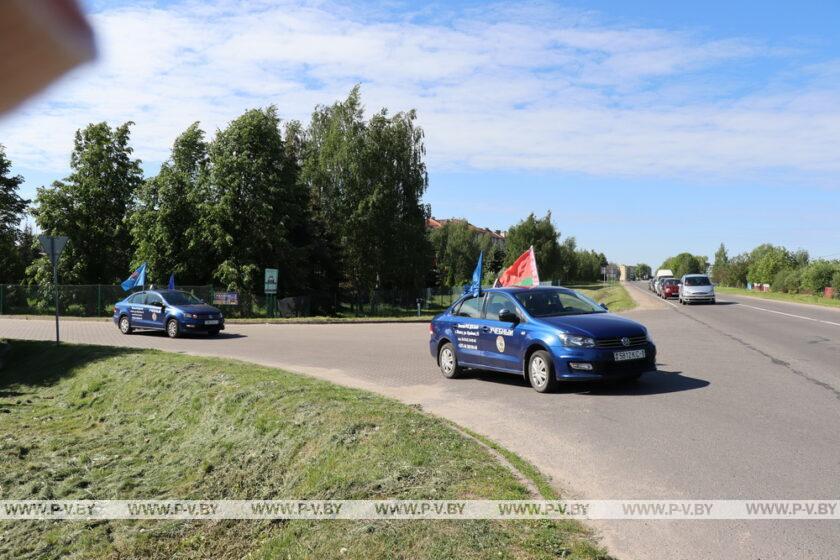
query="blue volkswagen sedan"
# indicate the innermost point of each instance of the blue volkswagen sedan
(173, 311)
(546, 334)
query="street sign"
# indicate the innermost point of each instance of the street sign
(53, 247)
(270, 281)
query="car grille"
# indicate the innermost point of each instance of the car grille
(616, 342)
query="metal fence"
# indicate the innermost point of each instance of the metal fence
(99, 300)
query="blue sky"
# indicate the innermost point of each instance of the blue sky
(647, 128)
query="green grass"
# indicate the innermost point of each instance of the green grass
(795, 298)
(614, 295)
(86, 422)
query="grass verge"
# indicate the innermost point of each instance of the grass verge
(795, 298)
(614, 295)
(87, 422)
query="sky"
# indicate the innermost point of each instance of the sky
(646, 128)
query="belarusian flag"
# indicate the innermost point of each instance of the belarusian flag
(523, 272)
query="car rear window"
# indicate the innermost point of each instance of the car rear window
(697, 281)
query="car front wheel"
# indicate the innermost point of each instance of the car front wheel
(541, 372)
(448, 362)
(125, 325)
(172, 330)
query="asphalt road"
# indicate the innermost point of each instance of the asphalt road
(746, 405)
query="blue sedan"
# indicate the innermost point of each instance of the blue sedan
(172, 311)
(546, 334)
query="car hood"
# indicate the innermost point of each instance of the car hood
(698, 289)
(197, 308)
(596, 325)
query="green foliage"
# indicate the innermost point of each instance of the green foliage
(12, 209)
(555, 260)
(91, 207)
(366, 181)
(818, 274)
(456, 247)
(167, 225)
(643, 271)
(835, 283)
(686, 263)
(720, 268)
(766, 261)
(255, 204)
(589, 265)
(787, 280)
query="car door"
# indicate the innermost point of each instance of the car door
(137, 308)
(467, 329)
(153, 313)
(500, 342)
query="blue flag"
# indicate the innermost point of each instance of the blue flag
(172, 281)
(137, 278)
(474, 287)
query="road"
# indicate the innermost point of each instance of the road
(746, 405)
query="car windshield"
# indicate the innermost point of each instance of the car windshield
(553, 303)
(670, 282)
(697, 281)
(180, 298)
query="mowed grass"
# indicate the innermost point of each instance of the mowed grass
(614, 295)
(86, 422)
(795, 298)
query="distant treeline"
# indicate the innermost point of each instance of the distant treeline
(783, 269)
(335, 205)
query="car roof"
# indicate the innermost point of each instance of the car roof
(697, 275)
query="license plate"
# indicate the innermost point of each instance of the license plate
(629, 355)
(213, 322)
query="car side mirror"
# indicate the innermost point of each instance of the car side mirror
(604, 306)
(508, 316)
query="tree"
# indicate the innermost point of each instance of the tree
(544, 237)
(255, 204)
(818, 275)
(91, 207)
(167, 225)
(766, 261)
(366, 182)
(685, 263)
(643, 271)
(12, 209)
(456, 246)
(720, 268)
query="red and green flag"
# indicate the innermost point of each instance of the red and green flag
(523, 272)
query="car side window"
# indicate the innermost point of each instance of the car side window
(470, 307)
(136, 298)
(495, 303)
(153, 299)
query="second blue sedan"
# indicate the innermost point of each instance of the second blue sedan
(546, 334)
(172, 311)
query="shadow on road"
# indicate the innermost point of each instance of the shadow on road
(191, 336)
(655, 383)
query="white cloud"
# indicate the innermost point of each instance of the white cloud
(536, 89)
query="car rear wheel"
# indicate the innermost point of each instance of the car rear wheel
(172, 330)
(541, 372)
(448, 362)
(125, 325)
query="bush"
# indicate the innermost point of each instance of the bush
(835, 283)
(818, 275)
(787, 280)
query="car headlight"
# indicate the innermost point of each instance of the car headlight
(576, 341)
(191, 315)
